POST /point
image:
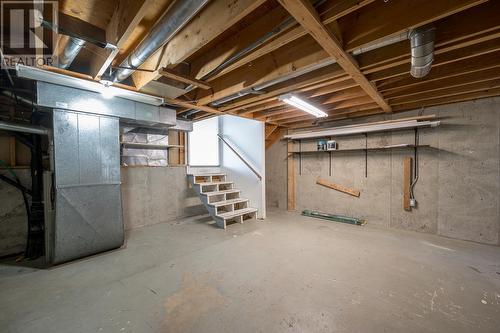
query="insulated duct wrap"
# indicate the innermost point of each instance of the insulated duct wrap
(422, 50)
(139, 156)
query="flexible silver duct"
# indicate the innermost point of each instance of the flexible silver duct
(169, 25)
(422, 50)
(69, 53)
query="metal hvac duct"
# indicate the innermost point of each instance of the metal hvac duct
(69, 53)
(422, 50)
(174, 20)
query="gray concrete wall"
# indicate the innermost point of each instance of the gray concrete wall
(13, 217)
(155, 195)
(149, 196)
(458, 189)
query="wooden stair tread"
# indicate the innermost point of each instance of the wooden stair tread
(206, 174)
(236, 213)
(228, 202)
(213, 183)
(220, 192)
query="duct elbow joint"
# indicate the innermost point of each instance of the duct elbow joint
(422, 50)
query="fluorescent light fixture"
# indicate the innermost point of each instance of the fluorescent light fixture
(303, 105)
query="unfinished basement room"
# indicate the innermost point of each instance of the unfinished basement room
(244, 166)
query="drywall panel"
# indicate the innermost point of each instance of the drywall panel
(203, 143)
(247, 137)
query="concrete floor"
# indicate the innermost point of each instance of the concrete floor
(286, 274)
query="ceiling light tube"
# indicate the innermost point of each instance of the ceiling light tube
(302, 105)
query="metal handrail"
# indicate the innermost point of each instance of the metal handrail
(241, 157)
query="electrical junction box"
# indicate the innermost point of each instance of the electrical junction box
(326, 145)
(331, 145)
(321, 145)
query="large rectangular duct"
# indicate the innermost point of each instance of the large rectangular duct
(88, 209)
(55, 96)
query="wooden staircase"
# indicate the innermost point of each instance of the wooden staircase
(221, 199)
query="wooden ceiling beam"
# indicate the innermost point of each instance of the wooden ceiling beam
(331, 88)
(448, 100)
(456, 81)
(171, 74)
(126, 18)
(275, 136)
(341, 95)
(301, 55)
(448, 91)
(332, 73)
(215, 56)
(347, 100)
(372, 24)
(269, 113)
(265, 106)
(269, 129)
(188, 105)
(469, 27)
(340, 116)
(333, 85)
(206, 62)
(441, 59)
(441, 10)
(354, 106)
(218, 15)
(262, 109)
(288, 115)
(449, 70)
(307, 16)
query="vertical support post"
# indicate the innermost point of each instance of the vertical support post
(182, 151)
(300, 157)
(406, 183)
(330, 161)
(290, 177)
(366, 155)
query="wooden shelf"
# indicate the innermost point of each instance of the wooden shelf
(359, 149)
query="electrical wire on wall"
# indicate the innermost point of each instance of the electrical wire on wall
(19, 186)
(415, 165)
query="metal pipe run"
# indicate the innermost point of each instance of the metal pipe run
(169, 25)
(23, 128)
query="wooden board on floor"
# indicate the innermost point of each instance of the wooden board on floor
(338, 187)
